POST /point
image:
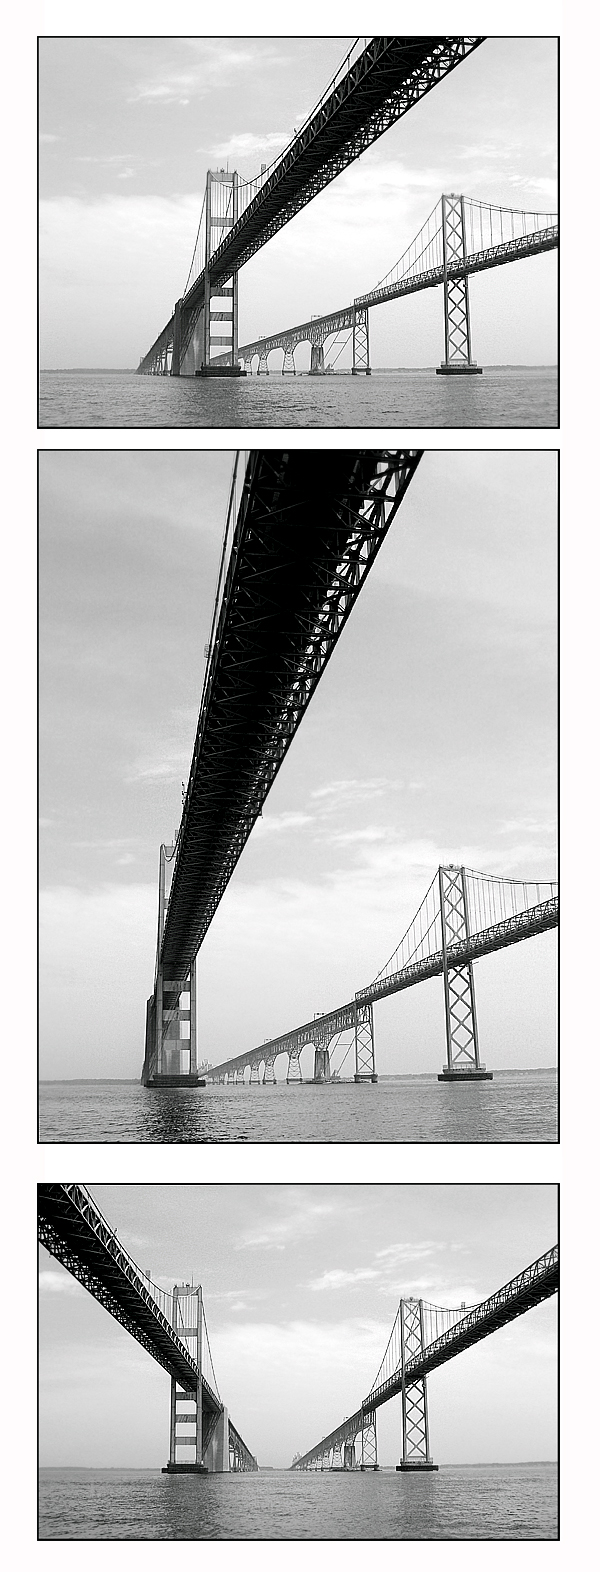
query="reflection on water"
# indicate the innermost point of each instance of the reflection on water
(515, 1106)
(490, 1502)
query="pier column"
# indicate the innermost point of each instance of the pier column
(457, 322)
(462, 1041)
(171, 1049)
(317, 359)
(176, 355)
(415, 1420)
(322, 1070)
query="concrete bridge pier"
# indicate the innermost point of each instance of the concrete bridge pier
(317, 360)
(322, 1065)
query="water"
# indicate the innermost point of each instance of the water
(518, 1105)
(516, 1501)
(501, 397)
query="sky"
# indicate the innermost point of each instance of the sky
(301, 1284)
(430, 739)
(129, 127)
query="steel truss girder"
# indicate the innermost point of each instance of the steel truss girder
(74, 1231)
(308, 530)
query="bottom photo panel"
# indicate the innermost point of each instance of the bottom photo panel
(298, 1361)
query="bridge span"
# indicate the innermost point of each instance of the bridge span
(296, 553)
(411, 1355)
(374, 90)
(452, 929)
(170, 1326)
(447, 251)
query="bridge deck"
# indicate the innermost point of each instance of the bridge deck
(308, 529)
(536, 1283)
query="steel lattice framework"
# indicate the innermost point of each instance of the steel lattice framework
(73, 1230)
(529, 1288)
(309, 527)
(388, 78)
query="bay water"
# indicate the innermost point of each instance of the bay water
(493, 1502)
(518, 1105)
(504, 396)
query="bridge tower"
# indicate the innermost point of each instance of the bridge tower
(171, 1057)
(416, 1457)
(221, 213)
(462, 1042)
(193, 1428)
(360, 340)
(457, 322)
(364, 1044)
(368, 1437)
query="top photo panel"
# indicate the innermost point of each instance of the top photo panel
(298, 232)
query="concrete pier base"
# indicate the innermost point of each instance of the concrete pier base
(220, 371)
(185, 1468)
(175, 1080)
(371, 1078)
(458, 371)
(467, 1075)
(417, 1468)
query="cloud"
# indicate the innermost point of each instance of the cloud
(339, 1279)
(280, 823)
(301, 1220)
(246, 144)
(46, 136)
(59, 1283)
(340, 793)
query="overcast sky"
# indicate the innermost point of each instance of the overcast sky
(431, 738)
(301, 1285)
(129, 127)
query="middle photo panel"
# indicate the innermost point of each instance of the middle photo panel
(298, 795)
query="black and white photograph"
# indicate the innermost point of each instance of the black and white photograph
(298, 796)
(336, 1362)
(298, 231)
(300, 672)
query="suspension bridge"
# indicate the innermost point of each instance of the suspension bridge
(423, 1337)
(373, 88)
(461, 236)
(170, 1326)
(302, 531)
(464, 916)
